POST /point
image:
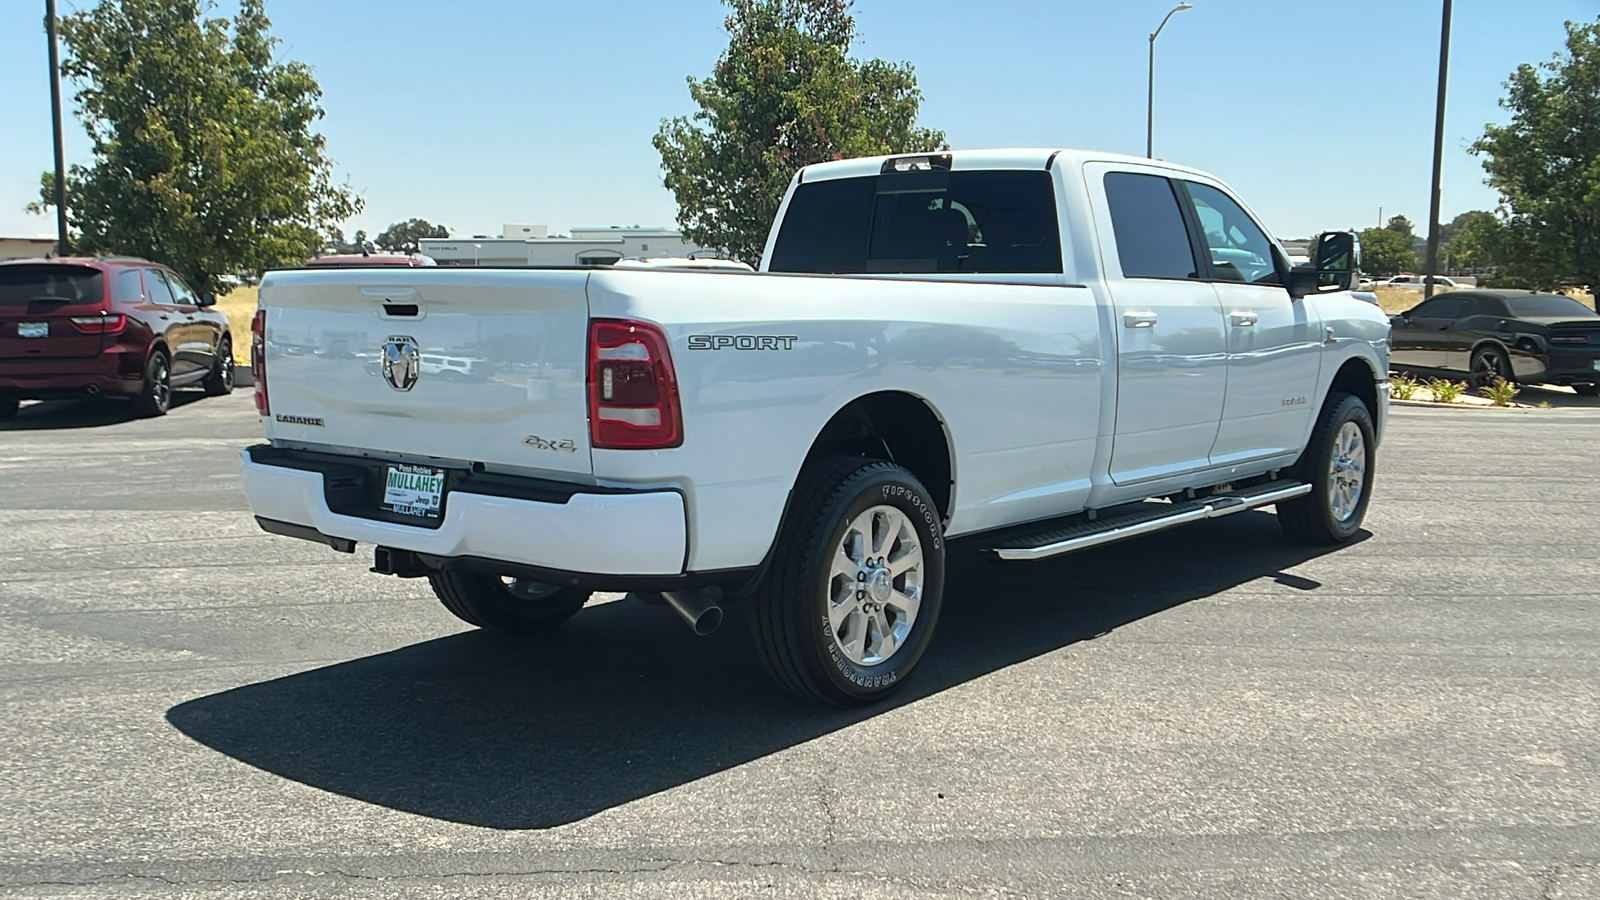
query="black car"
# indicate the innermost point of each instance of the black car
(1521, 336)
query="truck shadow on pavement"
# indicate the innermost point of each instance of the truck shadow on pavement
(625, 702)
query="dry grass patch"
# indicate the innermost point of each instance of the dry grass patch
(239, 305)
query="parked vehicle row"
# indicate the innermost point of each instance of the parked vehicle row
(114, 326)
(1034, 350)
(1518, 336)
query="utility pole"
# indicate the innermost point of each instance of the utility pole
(1431, 265)
(63, 243)
(1150, 97)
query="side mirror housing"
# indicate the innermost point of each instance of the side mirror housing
(1333, 268)
(207, 298)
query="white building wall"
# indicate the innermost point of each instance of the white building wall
(585, 246)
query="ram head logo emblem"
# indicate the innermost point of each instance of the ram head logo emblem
(402, 363)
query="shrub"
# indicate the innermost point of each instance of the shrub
(1444, 390)
(1402, 387)
(1500, 392)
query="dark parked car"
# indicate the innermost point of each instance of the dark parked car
(112, 326)
(1520, 336)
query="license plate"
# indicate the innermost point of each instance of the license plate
(33, 329)
(414, 490)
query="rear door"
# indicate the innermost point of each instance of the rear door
(38, 303)
(1172, 352)
(455, 364)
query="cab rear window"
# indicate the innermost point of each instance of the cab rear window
(986, 222)
(21, 285)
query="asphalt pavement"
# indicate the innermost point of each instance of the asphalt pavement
(192, 708)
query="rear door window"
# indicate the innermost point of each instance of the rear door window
(983, 222)
(21, 285)
(1152, 238)
(155, 285)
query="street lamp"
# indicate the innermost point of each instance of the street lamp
(1150, 102)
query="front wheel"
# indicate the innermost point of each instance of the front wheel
(856, 583)
(220, 381)
(1338, 463)
(505, 603)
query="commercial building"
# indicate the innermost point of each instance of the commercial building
(532, 245)
(24, 247)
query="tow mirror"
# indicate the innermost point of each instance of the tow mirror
(1333, 267)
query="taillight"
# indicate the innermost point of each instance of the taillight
(258, 360)
(633, 392)
(112, 324)
(1581, 338)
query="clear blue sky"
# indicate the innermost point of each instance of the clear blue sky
(475, 114)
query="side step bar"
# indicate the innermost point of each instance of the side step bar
(1159, 517)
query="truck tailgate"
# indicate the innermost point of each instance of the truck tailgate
(483, 365)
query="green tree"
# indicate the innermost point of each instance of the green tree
(403, 236)
(1546, 165)
(1473, 240)
(1402, 226)
(1386, 251)
(203, 153)
(784, 94)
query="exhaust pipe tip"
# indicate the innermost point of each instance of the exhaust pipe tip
(698, 609)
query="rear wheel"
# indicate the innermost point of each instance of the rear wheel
(1338, 464)
(856, 583)
(220, 381)
(504, 603)
(1489, 364)
(156, 396)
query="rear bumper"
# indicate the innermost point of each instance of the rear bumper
(636, 533)
(110, 372)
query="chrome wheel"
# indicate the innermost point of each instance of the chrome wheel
(1347, 472)
(226, 370)
(875, 586)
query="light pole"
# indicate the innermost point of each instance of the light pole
(63, 245)
(1431, 264)
(1150, 100)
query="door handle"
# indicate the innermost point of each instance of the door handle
(1138, 320)
(1244, 319)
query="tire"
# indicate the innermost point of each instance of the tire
(851, 521)
(220, 381)
(155, 397)
(1584, 390)
(516, 606)
(1488, 364)
(8, 408)
(1330, 514)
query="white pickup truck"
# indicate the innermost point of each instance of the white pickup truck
(1038, 351)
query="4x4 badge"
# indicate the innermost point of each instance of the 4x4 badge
(401, 362)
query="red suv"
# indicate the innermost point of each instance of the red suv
(107, 326)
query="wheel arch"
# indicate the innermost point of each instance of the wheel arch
(898, 427)
(1359, 378)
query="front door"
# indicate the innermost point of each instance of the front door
(1422, 337)
(1274, 341)
(1171, 337)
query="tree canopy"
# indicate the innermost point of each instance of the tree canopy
(203, 153)
(1388, 250)
(1546, 165)
(784, 94)
(403, 236)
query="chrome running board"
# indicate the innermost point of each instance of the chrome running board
(1159, 517)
